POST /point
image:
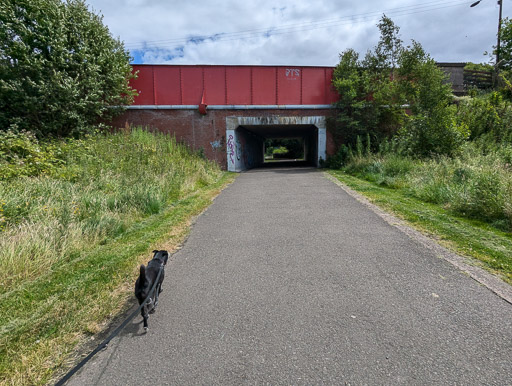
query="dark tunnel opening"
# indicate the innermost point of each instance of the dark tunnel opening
(284, 145)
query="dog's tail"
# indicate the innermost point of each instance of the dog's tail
(142, 274)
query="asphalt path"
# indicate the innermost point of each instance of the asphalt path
(287, 279)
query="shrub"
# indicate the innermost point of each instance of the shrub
(487, 116)
(434, 132)
(21, 154)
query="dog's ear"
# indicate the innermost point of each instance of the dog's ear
(166, 256)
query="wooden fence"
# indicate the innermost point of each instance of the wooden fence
(478, 79)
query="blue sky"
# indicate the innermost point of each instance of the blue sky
(272, 32)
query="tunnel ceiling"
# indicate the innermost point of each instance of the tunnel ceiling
(280, 131)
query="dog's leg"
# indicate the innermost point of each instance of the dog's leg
(145, 316)
(157, 291)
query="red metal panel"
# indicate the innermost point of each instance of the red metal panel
(331, 95)
(237, 85)
(288, 85)
(215, 85)
(144, 85)
(313, 86)
(238, 82)
(167, 85)
(264, 86)
(191, 85)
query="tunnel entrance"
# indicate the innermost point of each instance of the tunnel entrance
(284, 150)
(298, 141)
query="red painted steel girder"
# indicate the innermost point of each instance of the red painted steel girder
(233, 85)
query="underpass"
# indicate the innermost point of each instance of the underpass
(227, 112)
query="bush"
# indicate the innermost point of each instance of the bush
(339, 159)
(60, 68)
(21, 154)
(433, 132)
(487, 116)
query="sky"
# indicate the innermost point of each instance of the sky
(295, 32)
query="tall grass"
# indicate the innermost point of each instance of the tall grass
(476, 184)
(105, 184)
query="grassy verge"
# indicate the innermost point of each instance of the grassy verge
(490, 247)
(73, 236)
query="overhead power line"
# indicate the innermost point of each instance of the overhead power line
(298, 27)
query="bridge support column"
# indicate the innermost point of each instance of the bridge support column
(322, 143)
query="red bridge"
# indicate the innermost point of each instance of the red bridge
(229, 111)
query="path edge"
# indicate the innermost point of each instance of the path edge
(485, 278)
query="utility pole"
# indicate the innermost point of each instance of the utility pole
(500, 2)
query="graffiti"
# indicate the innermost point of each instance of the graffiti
(292, 73)
(231, 149)
(215, 145)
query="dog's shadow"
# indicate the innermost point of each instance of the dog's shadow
(133, 329)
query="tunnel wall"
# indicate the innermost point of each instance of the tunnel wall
(244, 150)
(208, 132)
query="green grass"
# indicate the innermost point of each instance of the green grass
(73, 238)
(489, 246)
(476, 184)
(105, 184)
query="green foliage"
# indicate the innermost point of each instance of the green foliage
(506, 45)
(431, 127)
(434, 132)
(368, 103)
(292, 148)
(476, 184)
(389, 47)
(21, 154)
(102, 185)
(479, 67)
(374, 91)
(487, 116)
(60, 68)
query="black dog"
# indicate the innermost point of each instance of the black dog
(146, 280)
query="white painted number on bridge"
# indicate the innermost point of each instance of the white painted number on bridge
(292, 73)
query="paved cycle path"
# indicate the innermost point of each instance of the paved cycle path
(286, 279)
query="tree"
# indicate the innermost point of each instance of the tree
(431, 127)
(368, 103)
(505, 45)
(60, 68)
(395, 89)
(390, 45)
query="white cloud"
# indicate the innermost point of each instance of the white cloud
(449, 30)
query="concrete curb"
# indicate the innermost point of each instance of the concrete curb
(492, 282)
